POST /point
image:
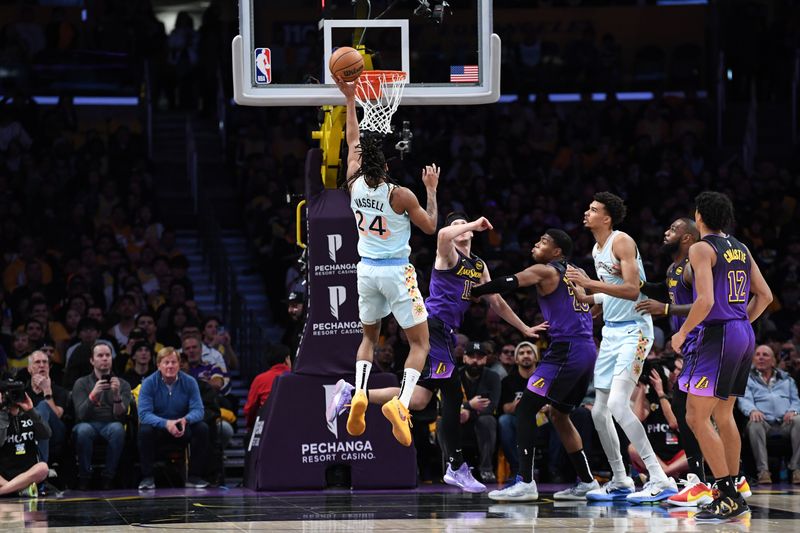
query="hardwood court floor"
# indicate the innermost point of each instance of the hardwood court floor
(430, 508)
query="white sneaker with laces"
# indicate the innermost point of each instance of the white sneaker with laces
(518, 492)
(578, 492)
(616, 489)
(654, 491)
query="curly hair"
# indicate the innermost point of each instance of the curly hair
(614, 206)
(716, 210)
(373, 163)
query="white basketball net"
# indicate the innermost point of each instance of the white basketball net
(379, 93)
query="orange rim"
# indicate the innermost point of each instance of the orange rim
(374, 78)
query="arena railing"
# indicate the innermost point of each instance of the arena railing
(795, 84)
(248, 336)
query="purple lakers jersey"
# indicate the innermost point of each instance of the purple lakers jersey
(679, 292)
(731, 275)
(568, 318)
(450, 289)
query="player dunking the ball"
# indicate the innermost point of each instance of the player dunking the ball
(387, 281)
(627, 339)
(455, 270)
(725, 276)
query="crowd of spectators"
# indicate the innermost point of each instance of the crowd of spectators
(85, 258)
(93, 288)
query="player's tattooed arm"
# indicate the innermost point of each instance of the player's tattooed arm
(352, 133)
(403, 200)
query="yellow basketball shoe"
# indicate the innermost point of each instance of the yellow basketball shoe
(356, 423)
(396, 413)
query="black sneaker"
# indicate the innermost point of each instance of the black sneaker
(723, 508)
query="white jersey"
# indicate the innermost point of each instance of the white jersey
(382, 233)
(619, 310)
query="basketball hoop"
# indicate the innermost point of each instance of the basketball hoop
(379, 92)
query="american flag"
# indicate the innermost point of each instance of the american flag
(463, 73)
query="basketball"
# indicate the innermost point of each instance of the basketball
(346, 63)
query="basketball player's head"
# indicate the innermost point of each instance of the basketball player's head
(606, 210)
(373, 163)
(714, 210)
(680, 235)
(459, 217)
(554, 245)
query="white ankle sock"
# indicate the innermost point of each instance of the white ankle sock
(362, 374)
(410, 377)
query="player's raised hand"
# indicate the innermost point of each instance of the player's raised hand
(348, 88)
(482, 224)
(430, 176)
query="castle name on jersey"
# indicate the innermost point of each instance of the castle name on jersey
(734, 254)
(371, 203)
(469, 272)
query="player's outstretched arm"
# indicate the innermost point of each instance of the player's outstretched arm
(424, 219)
(657, 308)
(348, 89)
(529, 277)
(762, 295)
(446, 255)
(504, 311)
(701, 256)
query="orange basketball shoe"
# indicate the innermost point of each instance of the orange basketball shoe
(397, 413)
(694, 494)
(356, 421)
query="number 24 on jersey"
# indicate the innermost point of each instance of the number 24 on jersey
(377, 227)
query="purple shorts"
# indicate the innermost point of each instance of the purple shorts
(565, 371)
(723, 355)
(441, 362)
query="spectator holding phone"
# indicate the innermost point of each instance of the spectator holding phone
(101, 402)
(170, 408)
(216, 337)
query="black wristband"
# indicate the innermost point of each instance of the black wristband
(500, 285)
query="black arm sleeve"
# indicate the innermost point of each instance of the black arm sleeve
(501, 285)
(656, 291)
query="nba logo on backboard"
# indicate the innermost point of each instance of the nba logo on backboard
(263, 65)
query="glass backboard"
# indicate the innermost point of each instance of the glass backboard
(447, 49)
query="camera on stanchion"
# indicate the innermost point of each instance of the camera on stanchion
(13, 392)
